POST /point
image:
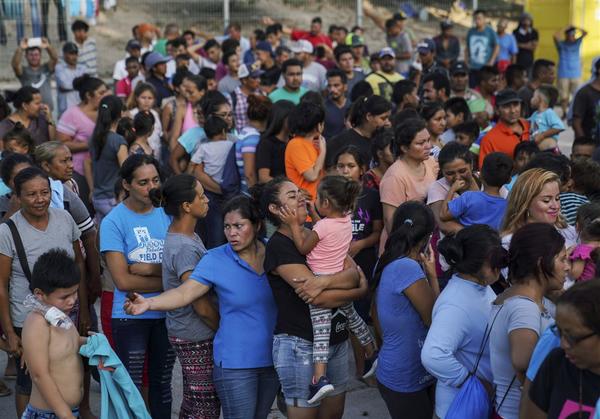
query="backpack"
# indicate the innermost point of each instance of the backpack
(472, 400)
(231, 183)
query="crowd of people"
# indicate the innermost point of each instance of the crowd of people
(259, 207)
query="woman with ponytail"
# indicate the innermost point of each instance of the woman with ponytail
(108, 151)
(243, 373)
(368, 116)
(190, 328)
(132, 240)
(452, 350)
(406, 287)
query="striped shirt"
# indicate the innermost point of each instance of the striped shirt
(570, 203)
(88, 56)
(247, 142)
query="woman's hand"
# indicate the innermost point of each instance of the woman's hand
(310, 288)
(288, 216)
(427, 259)
(14, 344)
(135, 304)
(355, 247)
(458, 185)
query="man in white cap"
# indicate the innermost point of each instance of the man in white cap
(314, 74)
(249, 78)
(383, 81)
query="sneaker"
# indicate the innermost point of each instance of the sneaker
(320, 390)
(370, 366)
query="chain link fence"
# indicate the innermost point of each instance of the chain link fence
(112, 20)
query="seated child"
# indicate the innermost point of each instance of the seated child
(585, 180)
(466, 134)
(524, 152)
(545, 123)
(583, 266)
(327, 246)
(480, 207)
(52, 353)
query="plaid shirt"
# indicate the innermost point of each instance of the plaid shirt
(240, 110)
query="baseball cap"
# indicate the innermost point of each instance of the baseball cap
(153, 59)
(400, 15)
(426, 45)
(264, 46)
(354, 40)
(446, 24)
(459, 67)
(247, 71)
(387, 51)
(301, 45)
(506, 96)
(70, 48)
(133, 44)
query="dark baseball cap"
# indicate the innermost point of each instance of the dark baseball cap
(264, 46)
(506, 96)
(70, 48)
(459, 67)
(446, 24)
(426, 45)
(133, 44)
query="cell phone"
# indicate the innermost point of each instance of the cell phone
(34, 42)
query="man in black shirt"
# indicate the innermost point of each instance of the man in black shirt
(527, 41)
(156, 66)
(586, 107)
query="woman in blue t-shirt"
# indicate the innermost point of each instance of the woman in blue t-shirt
(108, 151)
(243, 375)
(406, 288)
(132, 237)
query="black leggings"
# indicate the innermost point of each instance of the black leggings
(417, 405)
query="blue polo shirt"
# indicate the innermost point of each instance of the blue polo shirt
(246, 306)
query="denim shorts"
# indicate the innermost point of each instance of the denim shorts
(35, 413)
(293, 361)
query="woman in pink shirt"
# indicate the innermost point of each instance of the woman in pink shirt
(77, 123)
(410, 175)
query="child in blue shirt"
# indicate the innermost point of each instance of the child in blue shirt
(545, 123)
(480, 207)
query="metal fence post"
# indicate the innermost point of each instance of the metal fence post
(475, 5)
(226, 14)
(359, 13)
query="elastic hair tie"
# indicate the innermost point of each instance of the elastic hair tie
(104, 106)
(409, 222)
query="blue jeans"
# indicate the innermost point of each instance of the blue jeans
(246, 393)
(293, 359)
(138, 339)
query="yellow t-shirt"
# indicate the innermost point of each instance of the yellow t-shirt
(383, 83)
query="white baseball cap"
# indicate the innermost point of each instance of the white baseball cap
(302, 45)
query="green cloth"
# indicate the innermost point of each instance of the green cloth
(283, 94)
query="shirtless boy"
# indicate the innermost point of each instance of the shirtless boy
(52, 353)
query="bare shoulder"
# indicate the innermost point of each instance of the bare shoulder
(35, 329)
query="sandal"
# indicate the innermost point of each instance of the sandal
(4, 390)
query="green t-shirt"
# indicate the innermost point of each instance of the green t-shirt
(161, 47)
(283, 94)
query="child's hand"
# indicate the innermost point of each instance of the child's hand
(310, 288)
(135, 304)
(458, 185)
(288, 216)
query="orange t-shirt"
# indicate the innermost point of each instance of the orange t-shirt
(502, 139)
(300, 156)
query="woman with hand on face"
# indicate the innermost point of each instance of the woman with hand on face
(31, 113)
(132, 239)
(245, 380)
(538, 266)
(406, 287)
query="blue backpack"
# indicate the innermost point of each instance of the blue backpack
(473, 401)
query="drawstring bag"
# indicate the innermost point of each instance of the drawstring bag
(473, 400)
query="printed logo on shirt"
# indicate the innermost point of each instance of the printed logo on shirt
(478, 48)
(571, 410)
(359, 224)
(148, 250)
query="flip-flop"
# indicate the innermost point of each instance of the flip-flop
(4, 390)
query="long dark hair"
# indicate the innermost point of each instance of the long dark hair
(413, 223)
(173, 193)
(109, 112)
(374, 105)
(277, 118)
